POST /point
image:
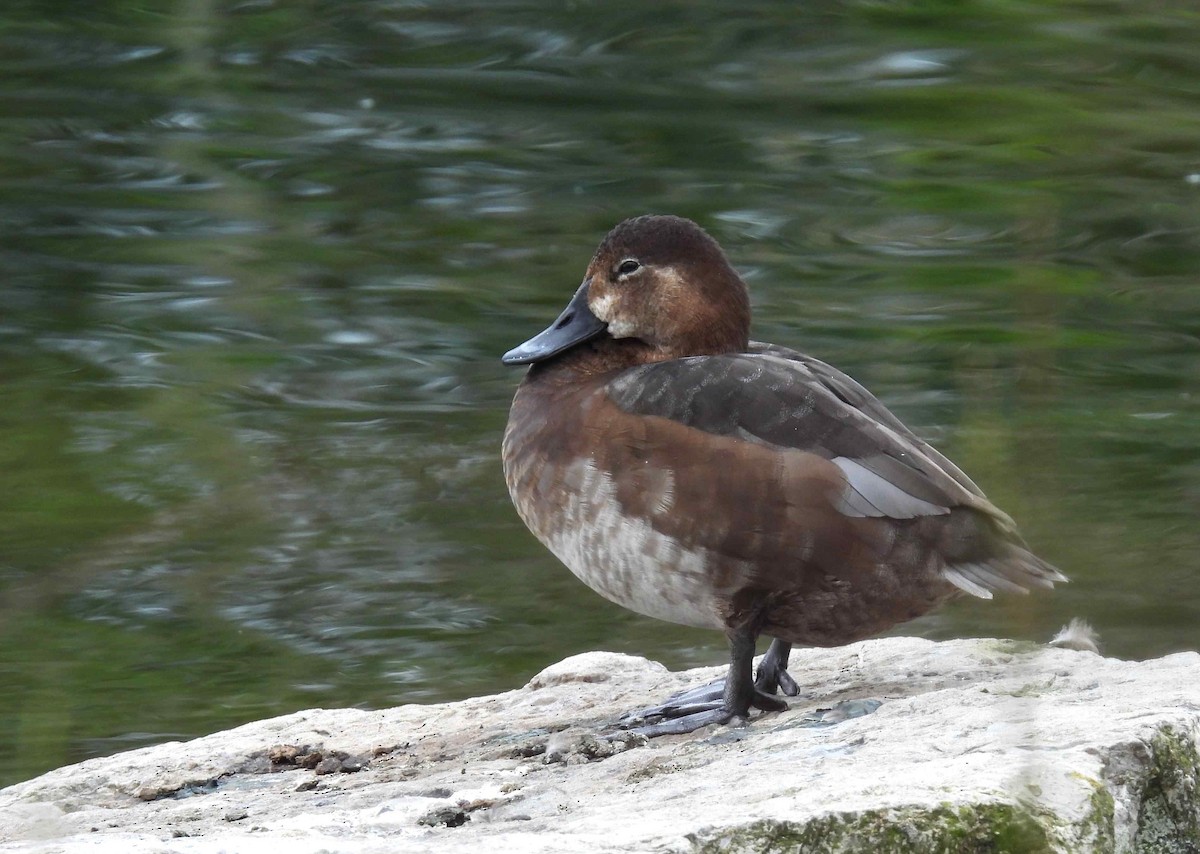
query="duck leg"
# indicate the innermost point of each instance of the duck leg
(717, 703)
(741, 694)
(772, 671)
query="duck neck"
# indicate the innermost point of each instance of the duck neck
(712, 321)
(602, 356)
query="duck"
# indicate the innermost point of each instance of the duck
(690, 474)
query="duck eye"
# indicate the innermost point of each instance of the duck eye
(628, 266)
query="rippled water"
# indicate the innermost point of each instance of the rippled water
(260, 259)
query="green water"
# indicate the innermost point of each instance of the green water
(260, 259)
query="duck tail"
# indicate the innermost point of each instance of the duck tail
(1017, 571)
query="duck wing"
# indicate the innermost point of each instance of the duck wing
(824, 428)
(788, 401)
(850, 392)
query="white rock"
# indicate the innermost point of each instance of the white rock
(1038, 748)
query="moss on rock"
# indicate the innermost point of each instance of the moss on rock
(977, 829)
(1098, 828)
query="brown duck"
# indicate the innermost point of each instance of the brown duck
(689, 474)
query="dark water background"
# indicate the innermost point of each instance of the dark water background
(259, 260)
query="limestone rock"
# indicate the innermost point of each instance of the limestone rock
(977, 745)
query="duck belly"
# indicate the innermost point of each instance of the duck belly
(574, 511)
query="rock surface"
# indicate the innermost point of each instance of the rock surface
(978, 745)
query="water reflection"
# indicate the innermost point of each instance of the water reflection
(260, 263)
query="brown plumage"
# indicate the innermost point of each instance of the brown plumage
(689, 474)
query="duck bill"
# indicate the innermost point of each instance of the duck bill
(574, 326)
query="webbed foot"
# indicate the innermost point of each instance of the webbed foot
(693, 709)
(772, 676)
(723, 702)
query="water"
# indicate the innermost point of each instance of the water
(260, 260)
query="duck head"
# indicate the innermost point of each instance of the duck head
(659, 284)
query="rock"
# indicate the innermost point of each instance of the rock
(974, 745)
